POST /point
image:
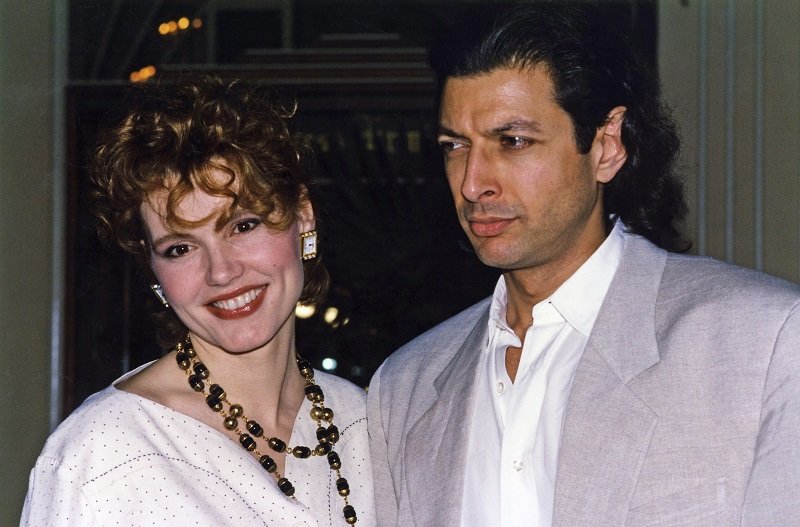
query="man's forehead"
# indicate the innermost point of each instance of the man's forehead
(501, 100)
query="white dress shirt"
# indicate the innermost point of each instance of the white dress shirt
(516, 426)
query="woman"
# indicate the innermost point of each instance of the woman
(202, 182)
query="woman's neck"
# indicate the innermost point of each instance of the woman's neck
(264, 381)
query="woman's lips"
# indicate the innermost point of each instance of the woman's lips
(489, 227)
(237, 304)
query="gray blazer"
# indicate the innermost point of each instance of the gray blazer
(684, 411)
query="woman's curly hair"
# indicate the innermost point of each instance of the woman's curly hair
(175, 136)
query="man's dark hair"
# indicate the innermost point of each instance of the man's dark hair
(594, 69)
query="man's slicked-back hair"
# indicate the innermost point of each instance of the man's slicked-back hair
(594, 68)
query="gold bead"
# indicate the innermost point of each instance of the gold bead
(230, 423)
(317, 413)
(327, 414)
(236, 410)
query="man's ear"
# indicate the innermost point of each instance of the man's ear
(612, 153)
(306, 220)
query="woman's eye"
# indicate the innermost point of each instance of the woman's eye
(177, 250)
(247, 225)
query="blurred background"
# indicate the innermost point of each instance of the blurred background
(74, 315)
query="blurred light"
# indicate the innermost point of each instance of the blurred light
(304, 311)
(143, 74)
(173, 26)
(329, 364)
(330, 314)
(163, 28)
(197, 23)
(183, 23)
(346, 321)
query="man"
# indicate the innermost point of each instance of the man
(607, 381)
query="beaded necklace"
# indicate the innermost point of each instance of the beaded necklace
(216, 398)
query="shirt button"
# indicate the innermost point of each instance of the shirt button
(500, 387)
(518, 465)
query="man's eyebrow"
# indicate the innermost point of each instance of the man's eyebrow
(516, 124)
(443, 130)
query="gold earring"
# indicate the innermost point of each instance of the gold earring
(308, 245)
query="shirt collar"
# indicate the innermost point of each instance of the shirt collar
(580, 297)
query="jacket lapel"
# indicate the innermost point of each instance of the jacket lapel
(437, 443)
(607, 427)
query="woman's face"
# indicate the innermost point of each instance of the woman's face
(235, 288)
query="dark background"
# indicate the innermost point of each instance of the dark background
(398, 259)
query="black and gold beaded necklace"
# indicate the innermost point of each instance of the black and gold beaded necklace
(217, 400)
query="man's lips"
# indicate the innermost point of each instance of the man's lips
(237, 304)
(488, 226)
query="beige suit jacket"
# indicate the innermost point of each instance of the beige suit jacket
(684, 411)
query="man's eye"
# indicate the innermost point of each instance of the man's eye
(449, 146)
(247, 225)
(514, 141)
(177, 250)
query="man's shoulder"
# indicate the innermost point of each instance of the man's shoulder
(706, 279)
(439, 343)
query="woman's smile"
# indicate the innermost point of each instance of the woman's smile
(240, 305)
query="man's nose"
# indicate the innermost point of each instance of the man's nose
(480, 179)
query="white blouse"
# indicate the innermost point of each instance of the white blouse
(121, 459)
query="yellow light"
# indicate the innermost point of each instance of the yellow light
(163, 28)
(183, 23)
(304, 311)
(330, 314)
(135, 76)
(197, 23)
(149, 71)
(173, 26)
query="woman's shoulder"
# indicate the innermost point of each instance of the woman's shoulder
(100, 423)
(339, 387)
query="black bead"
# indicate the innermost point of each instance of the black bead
(276, 444)
(255, 428)
(343, 487)
(323, 448)
(301, 452)
(217, 390)
(196, 382)
(213, 402)
(306, 370)
(247, 442)
(314, 393)
(334, 461)
(183, 360)
(201, 370)
(349, 514)
(286, 486)
(268, 463)
(333, 434)
(322, 434)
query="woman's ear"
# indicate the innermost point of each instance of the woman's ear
(611, 149)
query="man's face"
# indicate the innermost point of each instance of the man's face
(524, 195)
